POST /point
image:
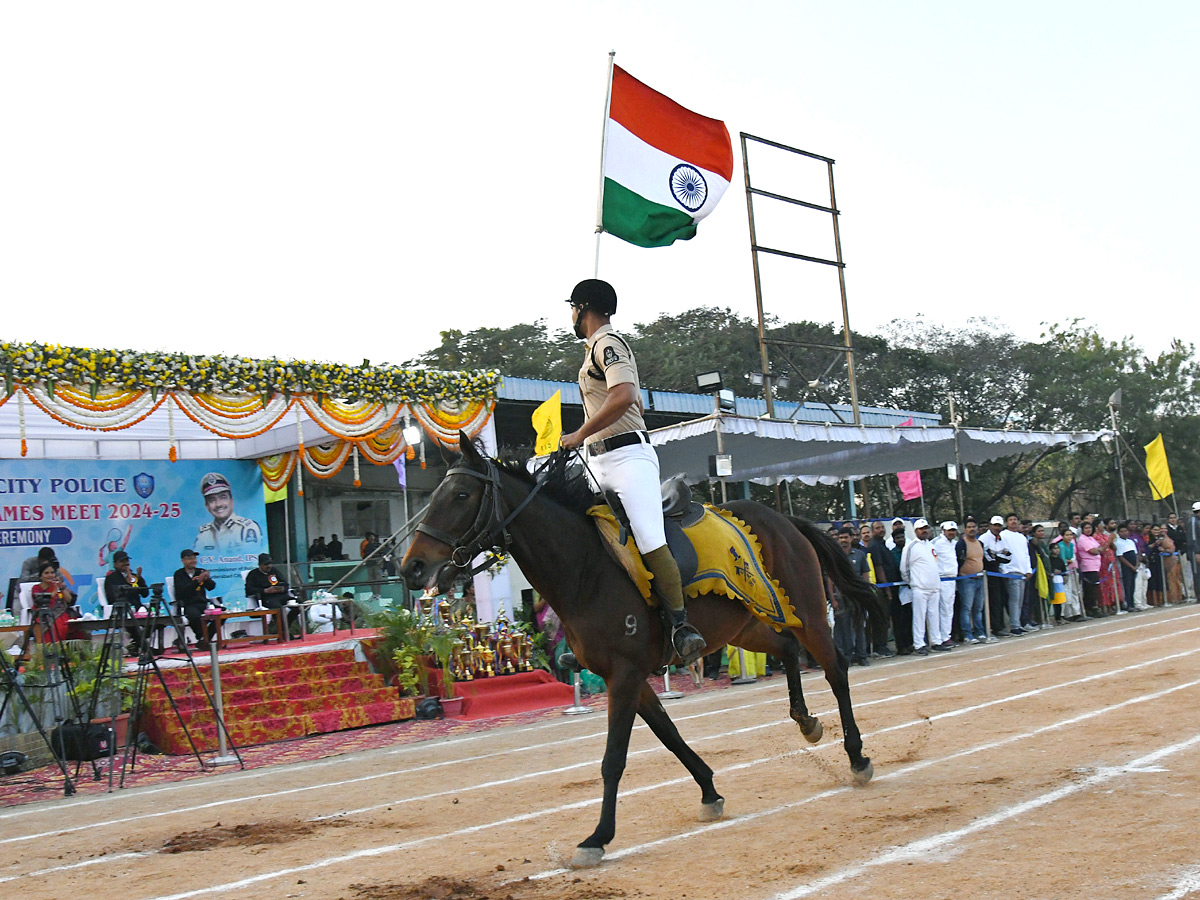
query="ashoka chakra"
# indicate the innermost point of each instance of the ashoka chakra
(688, 187)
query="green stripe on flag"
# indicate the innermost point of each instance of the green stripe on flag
(633, 218)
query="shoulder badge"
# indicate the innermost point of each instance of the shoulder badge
(610, 356)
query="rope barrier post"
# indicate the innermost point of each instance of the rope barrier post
(578, 709)
(987, 611)
(666, 693)
(743, 676)
(222, 758)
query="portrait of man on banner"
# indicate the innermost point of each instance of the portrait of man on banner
(228, 537)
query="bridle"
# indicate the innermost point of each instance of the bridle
(489, 533)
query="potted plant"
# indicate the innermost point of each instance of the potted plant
(441, 644)
(399, 650)
(114, 702)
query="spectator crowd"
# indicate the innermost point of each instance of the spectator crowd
(947, 585)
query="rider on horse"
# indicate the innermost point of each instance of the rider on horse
(617, 447)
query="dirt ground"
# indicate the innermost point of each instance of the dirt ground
(1057, 765)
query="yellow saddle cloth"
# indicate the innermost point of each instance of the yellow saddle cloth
(730, 564)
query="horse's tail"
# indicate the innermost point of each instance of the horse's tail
(860, 595)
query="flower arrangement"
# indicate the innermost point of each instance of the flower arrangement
(30, 363)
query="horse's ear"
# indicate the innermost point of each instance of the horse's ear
(449, 457)
(467, 449)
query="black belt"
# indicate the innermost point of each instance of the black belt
(617, 441)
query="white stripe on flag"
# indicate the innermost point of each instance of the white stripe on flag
(646, 170)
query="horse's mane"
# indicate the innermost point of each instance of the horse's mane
(566, 486)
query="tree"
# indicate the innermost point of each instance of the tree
(1060, 382)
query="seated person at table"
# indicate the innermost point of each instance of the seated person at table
(191, 587)
(50, 593)
(129, 586)
(334, 549)
(317, 550)
(267, 585)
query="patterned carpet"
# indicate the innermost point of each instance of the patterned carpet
(47, 783)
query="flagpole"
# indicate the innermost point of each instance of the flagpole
(603, 150)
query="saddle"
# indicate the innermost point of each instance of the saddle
(716, 553)
(679, 511)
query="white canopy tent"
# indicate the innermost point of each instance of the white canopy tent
(768, 451)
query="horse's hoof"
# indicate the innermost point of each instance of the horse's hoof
(712, 812)
(587, 857)
(863, 775)
(815, 729)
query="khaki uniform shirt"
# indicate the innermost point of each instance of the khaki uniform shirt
(614, 365)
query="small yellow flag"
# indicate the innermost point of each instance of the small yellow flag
(547, 422)
(1159, 471)
(271, 496)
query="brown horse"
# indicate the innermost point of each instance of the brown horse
(483, 504)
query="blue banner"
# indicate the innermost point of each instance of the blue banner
(88, 510)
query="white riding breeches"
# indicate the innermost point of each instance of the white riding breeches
(632, 474)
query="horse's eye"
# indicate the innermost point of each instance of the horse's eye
(461, 495)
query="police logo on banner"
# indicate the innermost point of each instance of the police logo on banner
(143, 484)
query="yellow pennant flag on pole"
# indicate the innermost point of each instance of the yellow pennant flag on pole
(547, 422)
(1158, 470)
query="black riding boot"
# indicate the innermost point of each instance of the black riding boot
(686, 640)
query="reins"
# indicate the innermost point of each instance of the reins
(489, 533)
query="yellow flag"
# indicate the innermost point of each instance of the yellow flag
(1159, 471)
(547, 422)
(271, 496)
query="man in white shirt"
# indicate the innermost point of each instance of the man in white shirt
(1010, 549)
(1005, 552)
(947, 560)
(919, 569)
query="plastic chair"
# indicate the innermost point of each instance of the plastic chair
(25, 602)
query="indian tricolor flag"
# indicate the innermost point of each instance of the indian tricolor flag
(665, 167)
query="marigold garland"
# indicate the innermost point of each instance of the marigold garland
(89, 369)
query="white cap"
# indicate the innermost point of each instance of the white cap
(950, 525)
(997, 520)
(1196, 506)
(919, 524)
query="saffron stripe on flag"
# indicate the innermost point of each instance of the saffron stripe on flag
(673, 129)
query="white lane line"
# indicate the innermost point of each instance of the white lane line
(1189, 882)
(923, 846)
(237, 777)
(751, 818)
(657, 748)
(595, 801)
(78, 865)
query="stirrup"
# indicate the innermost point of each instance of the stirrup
(688, 643)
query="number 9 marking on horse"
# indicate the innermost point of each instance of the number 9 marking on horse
(630, 625)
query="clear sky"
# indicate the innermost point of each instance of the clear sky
(345, 180)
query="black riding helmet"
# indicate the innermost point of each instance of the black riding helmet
(594, 294)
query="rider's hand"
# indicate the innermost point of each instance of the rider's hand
(571, 441)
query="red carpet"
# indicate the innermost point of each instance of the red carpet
(504, 695)
(272, 698)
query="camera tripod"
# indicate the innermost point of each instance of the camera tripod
(123, 619)
(41, 637)
(11, 683)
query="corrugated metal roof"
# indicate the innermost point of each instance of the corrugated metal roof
(535, 390)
